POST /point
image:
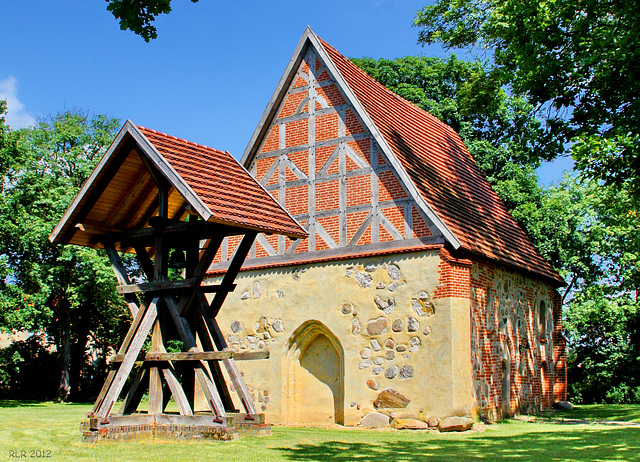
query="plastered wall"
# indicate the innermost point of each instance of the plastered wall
(351, 337)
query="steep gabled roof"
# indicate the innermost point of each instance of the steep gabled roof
(431, 160)
(121, 192)
(440, 166)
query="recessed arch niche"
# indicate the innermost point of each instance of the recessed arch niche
(313, 376)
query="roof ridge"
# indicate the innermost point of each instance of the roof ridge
(180, 139)
(386, 90)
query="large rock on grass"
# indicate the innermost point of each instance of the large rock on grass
(375, 419)
(563, 405)
(455, 424)
(409, 424)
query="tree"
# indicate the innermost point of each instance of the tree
(576, 60)
(497, 128)
(604, 340)
(66, 294)
(138, 15)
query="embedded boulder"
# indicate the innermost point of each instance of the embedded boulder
(394, 272)
(375, 419)
(455, 424)
(377, 326)
(409, 424)
(363, 279)
(433, 421)
(390, 398)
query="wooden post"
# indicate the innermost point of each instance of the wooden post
(121, 275)
(155, 383)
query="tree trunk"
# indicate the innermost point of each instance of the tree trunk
(64, 388)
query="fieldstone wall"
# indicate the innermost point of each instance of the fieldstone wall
(396, 340)
(516, 342)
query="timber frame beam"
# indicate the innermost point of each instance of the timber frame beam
(165, 307)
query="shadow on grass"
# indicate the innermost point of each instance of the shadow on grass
(6, 403)
(621, 412)
(578, 444)
(13, 403)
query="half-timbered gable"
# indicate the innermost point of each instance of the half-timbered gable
(320, 160)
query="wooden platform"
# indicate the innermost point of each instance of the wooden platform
(171, 426)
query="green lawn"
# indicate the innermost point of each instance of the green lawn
(32, 427)
(602, 412)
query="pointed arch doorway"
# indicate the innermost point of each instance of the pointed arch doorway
(313, 376)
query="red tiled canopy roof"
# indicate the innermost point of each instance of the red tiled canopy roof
(444, 172)
(232, 195)
(121, 193)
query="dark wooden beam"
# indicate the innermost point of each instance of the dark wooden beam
(177, 391)
(156, 393)
(167, 286)
(214, 366)
(136, 392)
(233, 270)
(200, 271)
(145, 262)
(212, 327)
(121, 275)
(195, 356)
(178, 232)
(188, 339)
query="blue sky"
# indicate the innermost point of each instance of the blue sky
(209, 74)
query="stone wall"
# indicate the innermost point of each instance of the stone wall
(350, 337)
(518, 353)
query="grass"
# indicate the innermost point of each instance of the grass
(32, 426)
(602, 412)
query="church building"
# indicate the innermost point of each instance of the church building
(415, 293)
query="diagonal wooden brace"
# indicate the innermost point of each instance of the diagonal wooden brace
(130, 358)
(122, 350)
(229, 364)
(189, 341)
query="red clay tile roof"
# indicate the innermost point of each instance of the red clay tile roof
(439, 164)
(121, 193)
(232, 195)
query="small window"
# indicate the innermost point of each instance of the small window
(542, 321)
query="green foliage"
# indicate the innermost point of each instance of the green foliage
(592, 233)
(28, 370)
(497, 128)
(138, 15)
(576, 60)
(67, 293)
(604, 340)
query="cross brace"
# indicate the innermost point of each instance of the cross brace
(162, 308)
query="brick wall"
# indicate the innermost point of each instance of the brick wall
(333, 137)
(508, 345)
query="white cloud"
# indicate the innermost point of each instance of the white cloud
(16, 116)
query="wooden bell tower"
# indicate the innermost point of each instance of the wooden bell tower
(171, 203)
